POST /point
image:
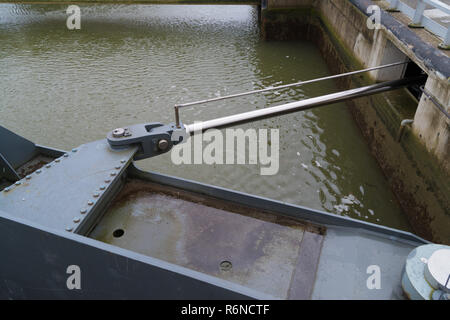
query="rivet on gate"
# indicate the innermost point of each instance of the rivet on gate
(102, 187)
(18, 183)
(113, 174)
(118, 167)
(74, 150)
(107, 180)
(57, 160)
(96, 195)
(123, 161)
(69, 228)
(28, 177)
(76, 219)
(83, 211)
(90, 202)
(38, 171)
(7, 189)
(48, 166)
(66, 155)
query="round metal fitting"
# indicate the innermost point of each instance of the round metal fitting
(437, 271)
(96, 195)
(76, 219)
(48, 165)
(83, 211)
(119, 132)
(427, 270)
(28, 177)
(18, 183)
(102, 187)
(163, 144)
(225, 265)
(69, 229)
(90, 202)
(38, 171)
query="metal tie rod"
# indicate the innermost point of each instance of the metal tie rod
(178, 106)
(300, 105)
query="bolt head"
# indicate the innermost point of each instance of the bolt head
(163, 144)
(83, 211)
(76, 219)
(119, 132)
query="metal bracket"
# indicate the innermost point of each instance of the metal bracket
(152, 138)
(7, 171)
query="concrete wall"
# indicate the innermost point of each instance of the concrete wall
(273, 4)
(430, 124)
(417, 166)
(375, 47)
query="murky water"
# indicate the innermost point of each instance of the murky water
(131, 64)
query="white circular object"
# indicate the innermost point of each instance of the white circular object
(437, 271)
(119, 132)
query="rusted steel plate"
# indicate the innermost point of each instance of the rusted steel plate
(302, 283)
(248, 247)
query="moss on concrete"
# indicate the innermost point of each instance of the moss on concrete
(246, 2)
(414, 174)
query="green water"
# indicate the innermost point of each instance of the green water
(131, 63)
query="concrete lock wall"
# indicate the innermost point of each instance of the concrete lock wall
(417, 167)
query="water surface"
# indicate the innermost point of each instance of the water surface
(131, 63)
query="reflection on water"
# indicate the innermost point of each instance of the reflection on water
(131, 63)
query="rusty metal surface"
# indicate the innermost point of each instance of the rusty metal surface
(244, 246)
(35, 163)
(307, 262)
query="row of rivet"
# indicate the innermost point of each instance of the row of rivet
(38, 171)
(90, 203)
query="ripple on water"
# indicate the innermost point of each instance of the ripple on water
(132, 63)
